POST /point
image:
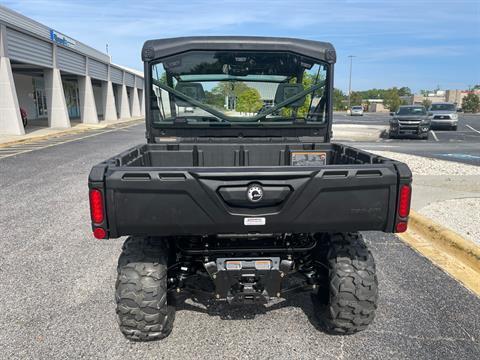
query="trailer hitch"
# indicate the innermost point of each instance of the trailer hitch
(243, 280)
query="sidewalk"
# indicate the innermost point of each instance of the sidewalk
(39, 129)
(446, 192)
(357, 132)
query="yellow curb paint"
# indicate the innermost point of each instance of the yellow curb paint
(43, 137)
(457, 256)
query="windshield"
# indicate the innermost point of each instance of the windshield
(240, 87)
(443, 107)
(411, 110)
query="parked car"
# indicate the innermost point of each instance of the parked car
(244, 209)
(410, 120)
(356, 111)
(443, 115)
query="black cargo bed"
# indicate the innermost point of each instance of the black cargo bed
(233, 155)
(199, 189)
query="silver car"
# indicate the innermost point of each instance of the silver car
(356, 111)
(443, 115)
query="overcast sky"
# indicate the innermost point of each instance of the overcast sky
(414, 43)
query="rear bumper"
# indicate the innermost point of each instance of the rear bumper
(340, 198)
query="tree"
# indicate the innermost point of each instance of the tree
(230, 88)
(355, 98)
(426, 103)
(308, 81)
(214, 99)
(249, 101)
(391, 99)
(404, 91)
(227, 89)
(338, 99)
(372, 94)
(471, 103)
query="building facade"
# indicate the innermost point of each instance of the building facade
(450, 96)
(456, 96)
(55, 79)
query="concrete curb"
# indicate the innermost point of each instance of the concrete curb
(465, 250)
(74, 130)
(451, 252)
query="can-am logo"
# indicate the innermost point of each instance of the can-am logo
(61, 39)
(255, 193)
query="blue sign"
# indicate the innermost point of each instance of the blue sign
(460, 156)
(61, 39)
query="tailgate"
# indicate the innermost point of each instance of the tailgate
(201, 201)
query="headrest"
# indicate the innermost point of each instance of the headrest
(193, 90)
(285, 91)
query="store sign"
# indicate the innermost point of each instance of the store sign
(61, 39)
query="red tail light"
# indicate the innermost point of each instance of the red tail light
(404, 202)
(96, 206)
(100, 233)
(401, 227)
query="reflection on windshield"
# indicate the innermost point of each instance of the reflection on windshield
(443, 107)
(238, 87)
(412, 111)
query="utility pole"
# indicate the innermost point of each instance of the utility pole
(350, 83)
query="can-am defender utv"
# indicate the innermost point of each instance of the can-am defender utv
(238, 194)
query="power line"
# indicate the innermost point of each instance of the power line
(350, 82)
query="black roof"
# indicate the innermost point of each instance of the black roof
(154, 49)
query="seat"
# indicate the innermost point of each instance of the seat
(190, 89)
(286, 90)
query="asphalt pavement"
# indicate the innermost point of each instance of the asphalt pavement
(57, 284)
(462, 145)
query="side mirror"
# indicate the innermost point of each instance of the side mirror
(430, 113)
(392, 113)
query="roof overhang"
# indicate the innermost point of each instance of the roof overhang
(161, 48)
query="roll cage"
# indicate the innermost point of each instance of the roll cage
(155, 50)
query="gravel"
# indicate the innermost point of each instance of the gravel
(427, 166)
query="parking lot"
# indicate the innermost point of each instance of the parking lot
(57, 281)
(461, 145)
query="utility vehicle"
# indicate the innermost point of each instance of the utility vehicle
(244, 198)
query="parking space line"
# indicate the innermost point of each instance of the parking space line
(471, 128)
(22, 149)
(434, 135)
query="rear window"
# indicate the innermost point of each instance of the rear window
(224, 87)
